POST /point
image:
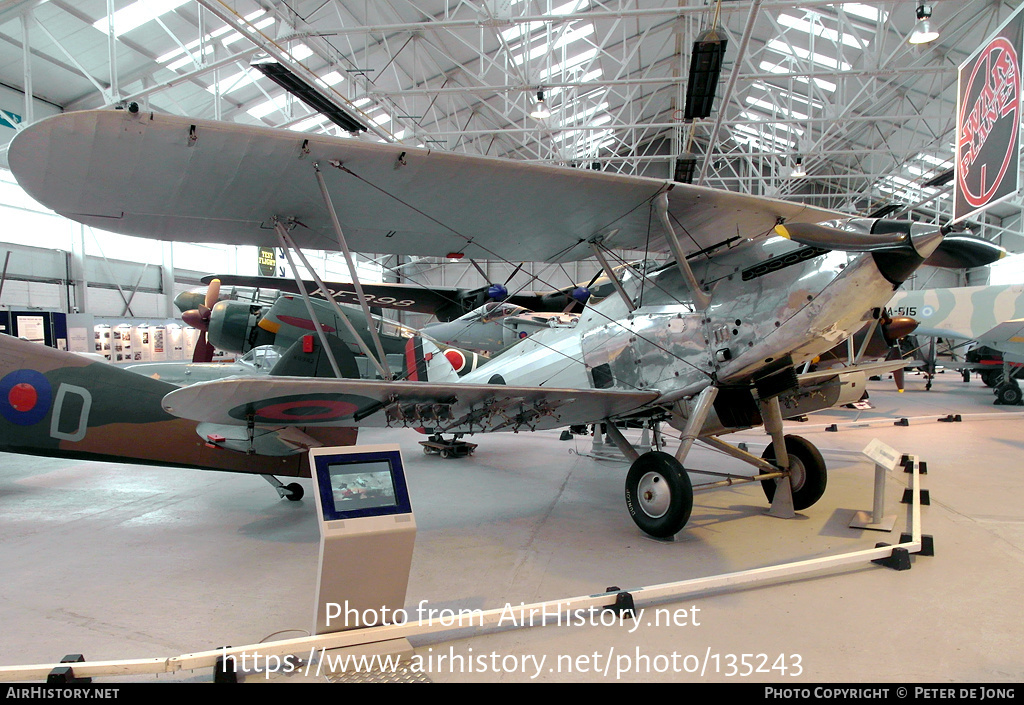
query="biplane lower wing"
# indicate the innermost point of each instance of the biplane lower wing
(459, 408)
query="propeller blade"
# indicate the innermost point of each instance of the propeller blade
(194, 318)
(203, 351)
(845, 240)
(212, 294)
(897, 375)
(965, 252)
(514, 272)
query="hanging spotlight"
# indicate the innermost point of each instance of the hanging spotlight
(798, 169)
(923, 32)
(540, 110)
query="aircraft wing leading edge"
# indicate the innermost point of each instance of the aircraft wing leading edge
(438, 407)
(178, 178)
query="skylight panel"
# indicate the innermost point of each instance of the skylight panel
(763, 138)
(774, 109)
(800, 53)
(235, 36)
(779, 69)
(567, 38)
(579, 116)
(521, 30)
(936, 161)
(332, 78)
(300, 52)
(263, 109)
(219, 32)
(239, 80)
(187, 60)
(309, 123)
(571, 63)
(806, 26)
(137, 14)
(766, 122)
(867, 12)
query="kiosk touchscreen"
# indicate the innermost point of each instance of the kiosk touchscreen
(367, 533)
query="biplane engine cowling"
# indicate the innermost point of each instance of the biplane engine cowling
(232, 327)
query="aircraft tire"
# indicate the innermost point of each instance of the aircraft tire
(295, 492)
(1009, 394)
(659, 495)
(991, 378)
(809, 475)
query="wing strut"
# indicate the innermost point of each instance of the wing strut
(287, 244)
(382, 365)
(700, 297)
(610, 273)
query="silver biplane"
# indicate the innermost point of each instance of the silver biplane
(709, 344)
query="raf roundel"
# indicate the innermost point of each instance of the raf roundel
(24, 397)
(302, 409)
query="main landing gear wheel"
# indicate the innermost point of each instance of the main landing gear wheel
(295, 492)
(1008, 393)
(807, 472)
(991, 378)
(659, 495)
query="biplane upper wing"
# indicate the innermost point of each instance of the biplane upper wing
(446, 407)
(178, 178)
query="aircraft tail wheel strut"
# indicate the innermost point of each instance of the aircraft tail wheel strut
(292, 492)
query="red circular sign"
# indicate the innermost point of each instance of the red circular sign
(989, 122)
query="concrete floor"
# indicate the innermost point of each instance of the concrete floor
(120, 561)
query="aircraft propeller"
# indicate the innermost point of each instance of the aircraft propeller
(956, 251)
(199, 318)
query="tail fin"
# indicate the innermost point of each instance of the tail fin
(60, 404)
(424, 362)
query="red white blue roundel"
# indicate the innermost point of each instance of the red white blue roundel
(298, 409)
(24, 397)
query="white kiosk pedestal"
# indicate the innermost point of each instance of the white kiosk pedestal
(367, 534)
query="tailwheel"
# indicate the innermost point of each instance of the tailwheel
(659, 495)
(807, 473)
(294, 492)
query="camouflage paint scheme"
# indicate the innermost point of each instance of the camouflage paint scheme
(989, 314)
(54, 403)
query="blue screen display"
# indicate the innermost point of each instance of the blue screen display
(354, 485)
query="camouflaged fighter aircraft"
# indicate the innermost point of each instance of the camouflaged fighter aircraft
(991, 315)
(709, 344)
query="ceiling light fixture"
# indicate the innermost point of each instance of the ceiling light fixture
(798, 169)
(540, 110)
(923, 32)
